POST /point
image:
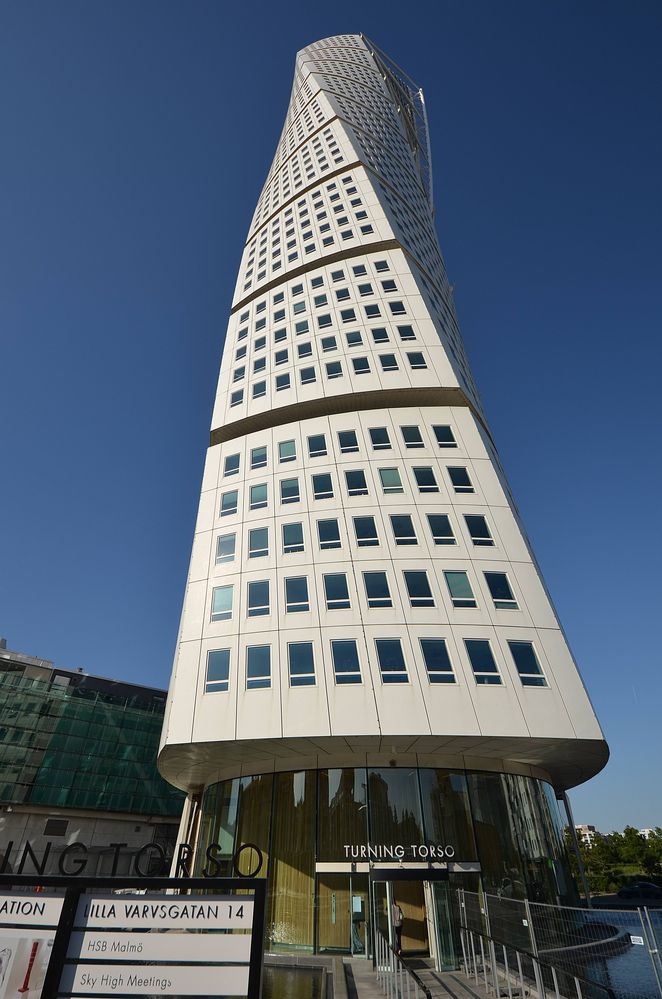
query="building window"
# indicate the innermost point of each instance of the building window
(391, 660)
(329, 343)
(440, 527)
(390, 480)
(258, 542)
(388, 362)
(258, 598)
(482, 661)
(328, 534)
(460, 479)
(258, 457)
(259, 389)
(281, 356)
(437, 660)
(526, 661)
(282, 381)
(376, 589)
(444, 436)
(287, 451)
(336, 591)
(416, 360)
(218, 671)
(347, 441)
(361, 365)
(412, 437)
(307, 376)
(258, 667)
(380, 439)
(372, 311)
(237, 397)
(500, 591)
(348, 315)
(292, 538)
(365, 289)
(397, 308)
(459, 588)
(381, 265)
(403, 529)
(289, 491)
(479, 532)
(225, 548)
(346, 665)
(366, 532)
(333, 369)
(322, 486)
(324, 321)
(406, 333)
(418, 588)
(258, 496)
(296, 595)
(356, 482)
(229, 503)
(316, 446)
(301, 664)
(231, 465)
(305, 350)
(221, 603)
(239, 373)
(425, 480)
(380, 335)
(354, 339)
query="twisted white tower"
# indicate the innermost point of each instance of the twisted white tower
(361, 590)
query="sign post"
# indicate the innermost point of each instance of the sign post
(100, 937)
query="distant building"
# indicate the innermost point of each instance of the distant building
(587, 834)
(647, 833)
(78, 764)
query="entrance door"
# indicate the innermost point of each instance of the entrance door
(440, 925)
(409, 895)
(342, 914)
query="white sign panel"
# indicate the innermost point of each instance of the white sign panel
(167, 946)
(155, 980)
(30, 910)
(165, 912)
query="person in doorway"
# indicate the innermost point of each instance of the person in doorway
(397, 920)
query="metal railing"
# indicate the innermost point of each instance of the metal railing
(613, 951)
(506, 971)
(396, 980)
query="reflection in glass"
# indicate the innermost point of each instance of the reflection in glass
(395, 808)
(446, 811)
(343, 814)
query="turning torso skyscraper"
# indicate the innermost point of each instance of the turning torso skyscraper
(368, 658)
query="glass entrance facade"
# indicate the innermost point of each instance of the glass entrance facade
(327, 835)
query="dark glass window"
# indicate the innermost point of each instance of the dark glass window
(437, 660)
(229, 503)
(446, 811)
(440, 527)
(322, 486)
(218, 671)
(292, 538)
(366, 532)
(376, 589)
(225, 548)
(406, 332)
(301, 664)
(347, 441)
(395, 808)
(403, 529)
(221, 603)
(258, 496)
(333, 369)
(258, 598)
(289, 491)
(258, 457)
(231, 465)
(316, 446)
(343, 813)
(328, 534)
(500, 590)
(412, 437)
(418, 588)
(479, 532)
(380, 335)
(287, 451)
(388, 362)
(336, 591)
(425, 480)
(346, 665)
(307, 376)
(391, 660)
(526, 661)
(379, 438)
(258, 666)
(482, 661)
(258, 542)
(460, 480)
(360, 365)
(356, 483)
(296, 595)
(444, 436)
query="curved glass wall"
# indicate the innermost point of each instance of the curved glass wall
(506, 823)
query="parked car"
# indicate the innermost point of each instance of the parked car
(640, 889)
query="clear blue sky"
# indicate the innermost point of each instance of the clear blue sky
(135, 140)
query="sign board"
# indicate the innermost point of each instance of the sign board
(637, 940)
(85, 943)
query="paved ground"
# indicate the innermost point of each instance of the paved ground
(362, 982)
